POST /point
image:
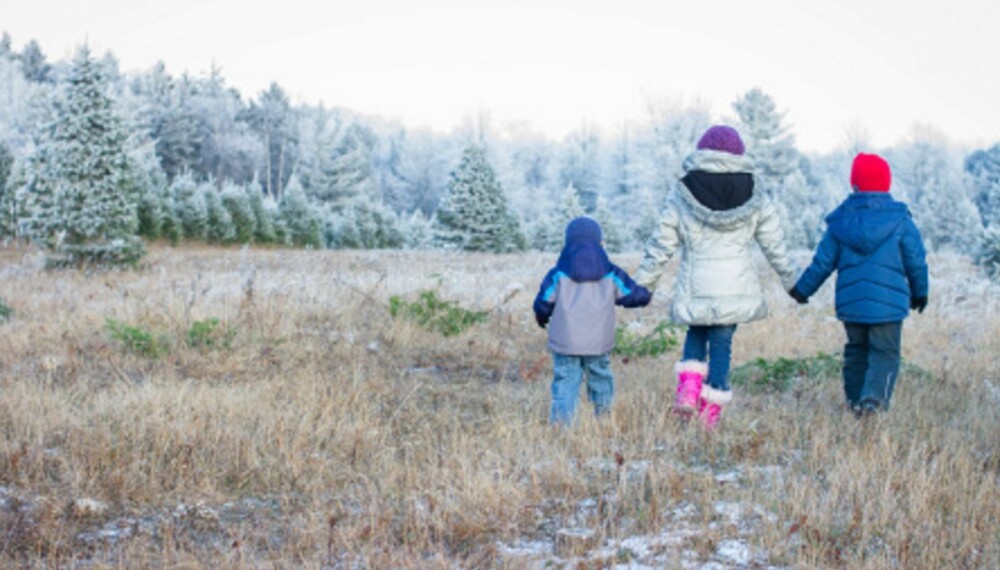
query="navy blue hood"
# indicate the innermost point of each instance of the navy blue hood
(865, 220)
(584, 261)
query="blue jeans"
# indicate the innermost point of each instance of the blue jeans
(871, 362)
(568, 372)
(714, 344)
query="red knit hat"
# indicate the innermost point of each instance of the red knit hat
(870, 173)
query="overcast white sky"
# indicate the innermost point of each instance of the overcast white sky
(879, 65)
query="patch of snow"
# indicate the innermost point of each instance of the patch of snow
(728, 477)
(526, 548)
(735, 551)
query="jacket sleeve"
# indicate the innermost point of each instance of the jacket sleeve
(824, 262)
(665, 241)
(914, 260)
(771, 239)
(545, 301)
(629, 293)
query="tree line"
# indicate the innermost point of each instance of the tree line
(94, 162)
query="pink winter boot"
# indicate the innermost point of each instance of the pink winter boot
(690, 376)
(710, 406)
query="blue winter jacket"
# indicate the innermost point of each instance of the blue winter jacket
(577, 300)
(879, 257)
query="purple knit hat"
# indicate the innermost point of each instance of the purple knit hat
(722, 138)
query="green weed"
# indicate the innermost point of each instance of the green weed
(778, 375)
(662, 339)
(208, 334)
(434, 314)
(136, 339)
(6, 312)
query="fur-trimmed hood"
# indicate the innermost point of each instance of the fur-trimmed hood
(716, 162)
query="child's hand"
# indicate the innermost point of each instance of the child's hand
(798, 296)
(542, 320)
(918, 304)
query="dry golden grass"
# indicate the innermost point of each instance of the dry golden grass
(329, 435)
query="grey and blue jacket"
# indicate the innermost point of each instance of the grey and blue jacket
(878, 254)
(577, 300)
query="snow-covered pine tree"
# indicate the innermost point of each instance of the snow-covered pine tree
(190, 207)
(299, 217)
(8, 221)
(648, 217)
(777, 163)
(80, 201)
(580, 165)
(417, 230)
(984, 168)
(281, 232)
(473, 215)
(569, 209)
(171, 226)
(930, 175)
(364, 224)
(614, 242)
(220, 227)
(12, 203)
(148, 180)
(350, 173)
(987, 255)
(237, 203)
(264, 231)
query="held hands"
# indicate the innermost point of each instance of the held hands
(918, 304)
(798, 296)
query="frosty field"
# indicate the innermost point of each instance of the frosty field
(307, 427)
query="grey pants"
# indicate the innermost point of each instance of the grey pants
(871, 362)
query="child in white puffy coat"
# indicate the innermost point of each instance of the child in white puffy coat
(715, 218)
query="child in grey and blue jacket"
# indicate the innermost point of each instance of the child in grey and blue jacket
(577, 302)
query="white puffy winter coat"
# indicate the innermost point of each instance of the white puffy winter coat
(717, 283)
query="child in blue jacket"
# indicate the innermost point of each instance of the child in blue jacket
(577, 301)
(873, 244)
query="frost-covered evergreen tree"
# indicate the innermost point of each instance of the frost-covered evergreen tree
(778, 167)
(646, 218)
(264, 230)
(299, 217)
(279, 229)
(614, 241)
(417, 230)
(580, 165)
(6, 169)
(12, 201)
(79, 196)
(364, 224)
(474, 215)
(273, 118)
(237, 203)
(568, 209)
(930, 175)
(984, 168)
(220, 226)
(148, 181)
(350, 175)
(33, 63)
(190, 207)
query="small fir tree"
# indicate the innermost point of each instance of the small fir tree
(81, 200)
(264, 230)
(190, 207)
(237, 202)
(299, 217)
(474, 215)
(220, 227)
